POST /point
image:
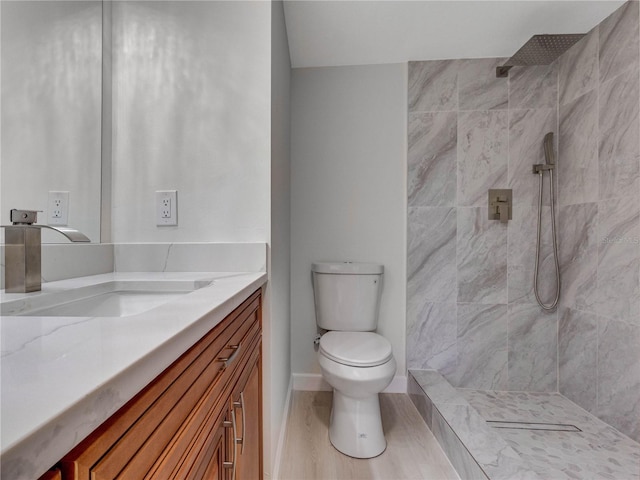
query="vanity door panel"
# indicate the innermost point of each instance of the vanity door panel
(133, 442)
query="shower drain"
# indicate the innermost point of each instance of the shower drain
(550, 427)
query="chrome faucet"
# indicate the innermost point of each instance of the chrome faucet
(23, 250)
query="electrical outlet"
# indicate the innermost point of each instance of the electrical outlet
(58, 212)
(166, 207)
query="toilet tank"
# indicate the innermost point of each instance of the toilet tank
(347, 295)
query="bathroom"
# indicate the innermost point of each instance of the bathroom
(282, 157)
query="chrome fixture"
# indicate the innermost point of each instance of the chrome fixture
(500, 201)
(539, 169)
(23, 250)
(540, 50)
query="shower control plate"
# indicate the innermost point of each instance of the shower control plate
(500, 204)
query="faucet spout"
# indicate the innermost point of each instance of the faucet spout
(23, 251)
(71, 233)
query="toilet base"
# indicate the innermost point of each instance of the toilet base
(355, 428)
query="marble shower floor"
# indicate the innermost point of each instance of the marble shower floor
(462, 419)
(597, 451)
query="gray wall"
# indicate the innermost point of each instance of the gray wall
(599, 219)
(471, 312)
(277, 318)
(348, 147)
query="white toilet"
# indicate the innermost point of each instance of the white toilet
(354, 360)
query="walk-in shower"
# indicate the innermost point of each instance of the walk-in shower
(539, 170)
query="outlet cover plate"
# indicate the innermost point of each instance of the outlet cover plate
(58, 211)
(166, 208)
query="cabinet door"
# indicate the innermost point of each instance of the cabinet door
(215, 467)
(250, 421)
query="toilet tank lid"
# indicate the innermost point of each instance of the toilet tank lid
(348, 268)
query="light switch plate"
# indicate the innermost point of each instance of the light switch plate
(166, 208)
(58, 209)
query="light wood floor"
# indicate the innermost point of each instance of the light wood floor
(412, 450)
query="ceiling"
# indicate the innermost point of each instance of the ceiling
(361, 32)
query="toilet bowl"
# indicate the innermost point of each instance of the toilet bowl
(358, 365)
(357, 362)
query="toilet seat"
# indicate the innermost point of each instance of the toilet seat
(356, 349)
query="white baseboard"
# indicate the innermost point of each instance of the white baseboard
(283, 431)
(313, 382)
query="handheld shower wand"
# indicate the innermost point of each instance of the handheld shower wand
(539, 169)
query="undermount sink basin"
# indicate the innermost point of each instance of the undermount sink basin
(119, 298)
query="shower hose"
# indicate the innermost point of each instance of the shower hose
(548, 150)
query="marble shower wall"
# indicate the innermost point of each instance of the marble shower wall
(471, 313)
(599, 220)
(471, 309)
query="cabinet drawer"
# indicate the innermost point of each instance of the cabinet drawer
(150, 420)
(194, 420)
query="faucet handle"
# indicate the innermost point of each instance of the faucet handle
(24, 217)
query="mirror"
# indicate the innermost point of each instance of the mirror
(51, 55)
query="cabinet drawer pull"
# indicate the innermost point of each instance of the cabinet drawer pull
(227, 464)
(235, 449)
(240, 404)
(229, 360)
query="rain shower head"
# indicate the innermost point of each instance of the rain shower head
(540, 50)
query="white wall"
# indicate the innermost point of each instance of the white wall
(191, 111)
(277, 318)
(348, 195)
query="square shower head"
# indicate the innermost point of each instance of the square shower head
(540, 50)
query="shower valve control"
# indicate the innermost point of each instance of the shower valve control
(500, 203)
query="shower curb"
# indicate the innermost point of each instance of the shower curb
(474, 449)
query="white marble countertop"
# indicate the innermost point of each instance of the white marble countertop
(63, 376)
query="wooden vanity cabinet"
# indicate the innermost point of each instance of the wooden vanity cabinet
(182, 424)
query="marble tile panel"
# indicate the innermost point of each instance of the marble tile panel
(437, 388)
(420, 400)
(481, 259)
(618, 293)
(431, 336)
(578, 150)
(619, 142)
(431, 159)
(431, 262)
(533, 87)
(433, 86)
(619, 41)
(522, 234)
(578, 254)
(478, 86)
(578, 68)
(458, 455)
(494, 456)
(577, 357)
(482, 155)
(527, 129)
(619, 376)
(533, 342)
(482, 346)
